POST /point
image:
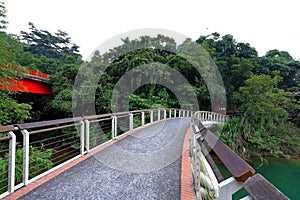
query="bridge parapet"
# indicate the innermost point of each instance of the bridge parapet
(208, 180)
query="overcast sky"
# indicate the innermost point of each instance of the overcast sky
(265, 24)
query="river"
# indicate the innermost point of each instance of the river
(283, 173)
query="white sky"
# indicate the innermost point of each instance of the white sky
(265, 24)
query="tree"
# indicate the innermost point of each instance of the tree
(11, 112)
(62, 87)
(282, 61)
(3, 22)
(58, 46)
(265, 114)
(234, 60)
(154, 52)
(263, 103)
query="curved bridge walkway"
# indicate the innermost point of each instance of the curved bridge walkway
(144, 165)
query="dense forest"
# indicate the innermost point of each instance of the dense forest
(262, 91)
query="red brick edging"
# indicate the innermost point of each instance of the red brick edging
(187, 189)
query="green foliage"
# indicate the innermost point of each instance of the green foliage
(231, 133)
(12, 112)
(72, 133)
(39, 161)
(235, 62)
(62, 86)
(121, 60)
(265, 115)
(288, 68)
(3, 22)
(264, 104)
(43, 43)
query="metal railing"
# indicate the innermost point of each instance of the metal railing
(205, 116)
(7, 153)
(48, 145)
(28, 71)
(209, 183)
(64, 144)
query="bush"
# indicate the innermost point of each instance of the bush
(39, 161)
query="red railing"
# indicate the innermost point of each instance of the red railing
(28, 71)
(37, 73)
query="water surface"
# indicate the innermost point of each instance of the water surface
(281, 172)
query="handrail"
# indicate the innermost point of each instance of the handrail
(48, 123)
(239, 168)
(6, 128)
(54, 128)
(211, 162)
(260, 188)
(90, 117)
(138, 111)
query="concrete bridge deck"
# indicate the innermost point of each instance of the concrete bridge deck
(143, 165)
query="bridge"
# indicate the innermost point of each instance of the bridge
(143, 154)
(32, 81)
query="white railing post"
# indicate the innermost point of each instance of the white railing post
(228, 187)
(130, 122)
(25, 156)
(158, 115)
(143, 118)
(116, 127)
(151, 116)
(114, 124)
(87, 135)
(113, 127)
(174, 113)
(197, 175)
(179, 114)
(165, 114)
(12, 162)
(82, 137)
(170, 113)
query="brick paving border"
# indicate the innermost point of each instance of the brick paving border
(187, 189)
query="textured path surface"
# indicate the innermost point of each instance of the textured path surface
(144, 165)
